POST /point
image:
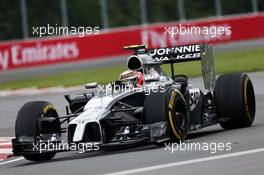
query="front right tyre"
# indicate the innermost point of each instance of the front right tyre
(169, 106)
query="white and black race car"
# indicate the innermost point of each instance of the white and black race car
(143, 106)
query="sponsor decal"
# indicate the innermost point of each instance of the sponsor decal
(18, 55)
(176, 53)
(172, 99)
(48, 107)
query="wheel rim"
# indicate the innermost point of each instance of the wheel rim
(180, 116)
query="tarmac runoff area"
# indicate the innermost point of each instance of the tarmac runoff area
(245, 157)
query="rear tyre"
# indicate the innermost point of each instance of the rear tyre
(27, 124)
(168, 106)
(235, 100)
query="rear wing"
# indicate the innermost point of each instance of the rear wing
(186, 53)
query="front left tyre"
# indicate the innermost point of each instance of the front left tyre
(27, 124)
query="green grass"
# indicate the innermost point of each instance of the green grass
(246, 61)
(238, 61)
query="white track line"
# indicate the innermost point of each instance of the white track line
(205, 159)
(36, 91)
(10, 161)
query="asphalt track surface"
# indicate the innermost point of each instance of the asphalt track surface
(109, 61)
(245, 157)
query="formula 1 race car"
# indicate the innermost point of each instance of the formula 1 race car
(144, 106)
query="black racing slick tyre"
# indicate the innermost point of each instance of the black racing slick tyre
(27, 124)
(235, 100)
(168, 106)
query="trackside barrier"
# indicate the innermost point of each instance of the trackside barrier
(47, 51)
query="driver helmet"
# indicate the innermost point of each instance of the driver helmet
(133, 76)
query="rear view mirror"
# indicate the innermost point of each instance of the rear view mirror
(92, 85)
